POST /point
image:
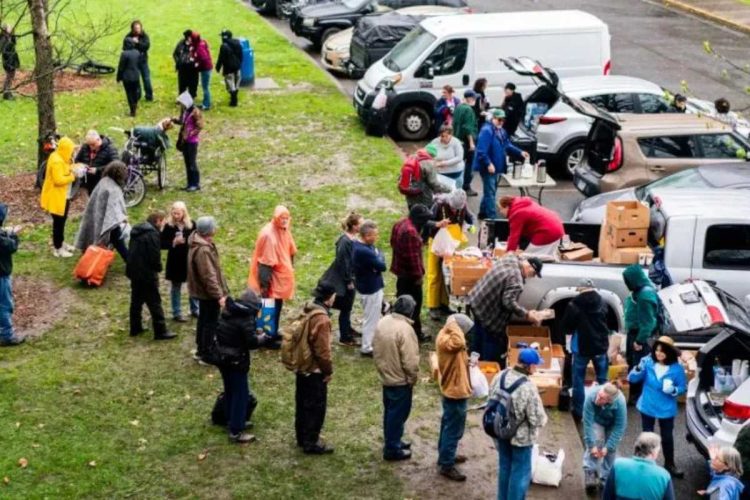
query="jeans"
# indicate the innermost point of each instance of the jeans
(458, 178)
(514, 473)
(311, 400)
(451, 430)
(468, 171)
(396, 409)
(6, 308)
(146, 77)
(372, 306)
(236, 397)
(600, 466)
(344, 305)
(206, 86)
(633, 358)
(146, 292)
(489, 346)
(601, 365)
(412, 287)
(175, 295)
(58, 227)
(190, 154)
(666, 428)
(487, 207)
(208, 316)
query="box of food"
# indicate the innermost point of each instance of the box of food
(627, 215)
(577, 255)
(490, 369)
(465, 273)
(623, 238)
(528, 334)
(614, 372)
(549, 387)
(630, 255)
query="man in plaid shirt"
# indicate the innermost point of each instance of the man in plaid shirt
(407, 263)
(494, 300)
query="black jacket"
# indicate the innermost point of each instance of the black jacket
(9, 52)
(341, 272)
(8, 245)
(230, 56)
(236, 334)
(107, 153)
(587, 315)
(514, 110)
(127, 70)
(177, 257)
(144, 255)
(142, 45)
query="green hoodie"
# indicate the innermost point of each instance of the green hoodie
(642, 314)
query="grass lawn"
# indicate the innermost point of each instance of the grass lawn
(98, 414)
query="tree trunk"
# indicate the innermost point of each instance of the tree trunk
(44, 73)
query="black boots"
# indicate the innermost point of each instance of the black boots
(233, 98)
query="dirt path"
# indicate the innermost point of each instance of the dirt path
(39, 305)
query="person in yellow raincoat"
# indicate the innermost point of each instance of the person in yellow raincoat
(272, 266)
(450, 211)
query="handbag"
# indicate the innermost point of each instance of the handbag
(180, 144)
(93, 265)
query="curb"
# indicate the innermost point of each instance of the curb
(708, 15)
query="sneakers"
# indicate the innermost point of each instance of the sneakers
(69, 248)
(452, 473)
(591, 482)
(180, 319)
(241, 438)
(165, 336)
(13, 341)
(192, 189)
(365, 354)
(461, 459)
(349, 342)
(397, 456)
(405, 445)
(471, 192)
(61, 252)
(317, 449)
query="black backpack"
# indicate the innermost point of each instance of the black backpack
(500, 420)
(219, 414)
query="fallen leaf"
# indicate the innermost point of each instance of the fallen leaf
(41, 426)
(18, 424)
(142, 441)
(23, 463)
(150, 393)
(35, 445)
(135, 423)
(187, 397)
(92, 463)
(6, 480)
(202, 456)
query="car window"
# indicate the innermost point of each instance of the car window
(727, 247)
(651, 103)
(679, 146)
(614, 103)
(408, 49)
(721, 146)
(448, 58)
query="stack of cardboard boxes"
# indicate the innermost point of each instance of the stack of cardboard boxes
(623, 239)
(548, 377)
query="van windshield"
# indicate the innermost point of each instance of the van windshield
(408, 49)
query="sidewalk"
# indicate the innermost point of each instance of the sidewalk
(733, 14)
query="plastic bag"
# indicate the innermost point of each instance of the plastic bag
(443, 243)
(381, 99)
(267, 319)
(547, 468)
(479, 386)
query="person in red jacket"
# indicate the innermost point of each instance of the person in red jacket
(204, 64)
(527, 219)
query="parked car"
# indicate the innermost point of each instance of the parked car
(450, 51)
(648, 147)
(719, 176)
(335, 53)
(318, 21)
(284, 8)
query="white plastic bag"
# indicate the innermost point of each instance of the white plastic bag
(543, 470)
(443, 243)
(479, 386)
(381, 99)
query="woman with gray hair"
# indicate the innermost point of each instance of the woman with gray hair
(725, 465)
(640, 476)
(205, 281)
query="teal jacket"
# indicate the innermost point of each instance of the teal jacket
(642, 315)
(638, 479)
(613, 417)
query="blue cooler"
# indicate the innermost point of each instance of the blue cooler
(248, 63)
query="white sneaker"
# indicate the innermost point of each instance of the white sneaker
(68, 247)
(62, 253)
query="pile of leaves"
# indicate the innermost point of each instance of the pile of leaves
(65, 81)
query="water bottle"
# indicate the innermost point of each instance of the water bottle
(541, 172)
(528, 170)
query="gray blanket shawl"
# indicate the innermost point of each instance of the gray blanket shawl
(105, 211)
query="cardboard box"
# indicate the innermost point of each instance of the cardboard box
(549, 388)
(466, 274)
(558, 351)
(579, 255)
(490, 369)
(627, 215)
(630, 255)
(615, 372)
(622, 238)
(529, 334)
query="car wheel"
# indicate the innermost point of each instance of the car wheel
(413, 123)
(571, 158)
(266, 7)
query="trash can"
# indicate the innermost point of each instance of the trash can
(248, 64)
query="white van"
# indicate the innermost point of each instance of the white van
(457, 50)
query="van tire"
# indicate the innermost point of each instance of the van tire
(571, 156)
(413, 123)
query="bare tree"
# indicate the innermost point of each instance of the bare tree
(44, 73)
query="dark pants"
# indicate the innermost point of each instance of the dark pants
(278, 306)
(208, 316)
(468, 160)
(58, 227)
(396, 409)
(311, 399)
(666, 428)
(634, 357)
(190, 154)
(146, 77)
(115, 239)
(452, 426)
(188, 80)
(601, 365)
(133, 94)
(236, 397)
(8, 83)
(490, 346)
(410, 286)
(344, 304)
(146, 292)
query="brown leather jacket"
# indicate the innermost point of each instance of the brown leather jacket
(205, 279)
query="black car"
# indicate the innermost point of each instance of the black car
(375, 36)
(284, 8)
(316, 20)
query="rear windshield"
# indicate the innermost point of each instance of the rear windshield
(408, 49)
(738, 314)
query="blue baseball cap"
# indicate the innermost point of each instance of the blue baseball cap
(530, 356)
(470, 94)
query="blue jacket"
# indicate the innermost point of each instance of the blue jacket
(369, 265)
(613, 417)
(654, 402)
(492, 144)
(638, 479)
(729, 487)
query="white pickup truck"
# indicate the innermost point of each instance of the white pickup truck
(707, 238)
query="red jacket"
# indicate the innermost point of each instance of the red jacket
(539, 225)
(407, 250)
(202, 56)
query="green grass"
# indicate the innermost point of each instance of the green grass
(85, 392)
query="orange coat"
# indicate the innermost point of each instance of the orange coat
(453, 362)
(275, 248)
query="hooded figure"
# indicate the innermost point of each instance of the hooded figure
(8, 246)
(229, 64)
(424, 182)
(55, 197)
(191, 124)
(105, 211)
(129, 73)
(272, 267)
(641, 318)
